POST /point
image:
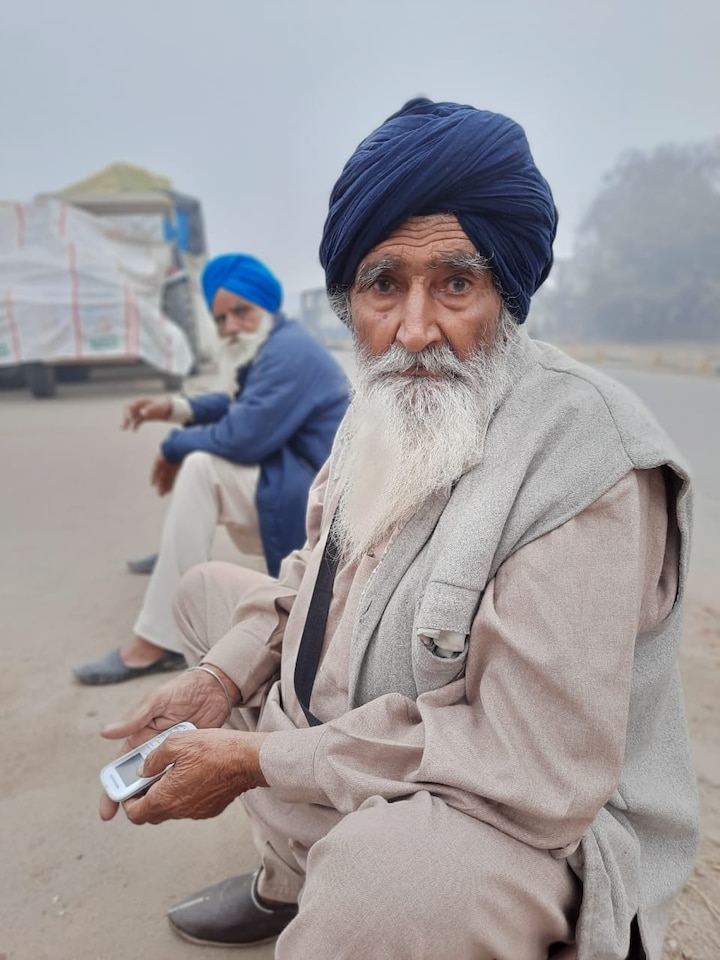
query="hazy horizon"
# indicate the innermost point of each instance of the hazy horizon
(255, 109)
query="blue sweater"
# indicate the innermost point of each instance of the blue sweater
(289, 404)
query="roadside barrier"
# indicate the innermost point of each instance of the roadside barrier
(700, 359)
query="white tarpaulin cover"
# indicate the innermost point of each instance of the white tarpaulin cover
(77, 286)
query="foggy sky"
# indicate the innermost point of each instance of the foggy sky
(254, 107)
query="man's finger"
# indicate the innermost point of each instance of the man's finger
(167, 752)
(156, 472)
(135, 809)
(119, 729)
(150, 807)
(158, 759)
(166, 478)
(128, 417)
(108, 808)
(131, 411)
(135, 722)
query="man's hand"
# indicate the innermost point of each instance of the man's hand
(163, 474)
(145, 408)
(192, 695)
(210, 768)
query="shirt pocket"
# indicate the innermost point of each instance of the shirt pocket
(441, 634)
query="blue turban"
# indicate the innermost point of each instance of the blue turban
(433, 158)
(242, 275)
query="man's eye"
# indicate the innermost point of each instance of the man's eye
(239, 311)
(458, 285)
(383, 285)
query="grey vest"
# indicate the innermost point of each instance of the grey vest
(562, 437)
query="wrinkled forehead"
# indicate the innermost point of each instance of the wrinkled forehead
(225, 300)
(425, 240)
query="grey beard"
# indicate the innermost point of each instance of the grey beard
(239, 351)
(405, 438)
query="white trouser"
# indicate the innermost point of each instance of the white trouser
(208, 491)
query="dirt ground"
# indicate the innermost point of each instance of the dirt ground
(694, 930)
(74, 504)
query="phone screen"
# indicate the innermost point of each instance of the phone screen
(127, 770)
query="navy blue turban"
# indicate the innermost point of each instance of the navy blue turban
(433, 158)
(245, 276)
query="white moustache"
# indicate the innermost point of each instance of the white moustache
(437, 361)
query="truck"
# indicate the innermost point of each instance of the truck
(318, 316)
(99, 274)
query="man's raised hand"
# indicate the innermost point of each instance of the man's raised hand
(145, 408)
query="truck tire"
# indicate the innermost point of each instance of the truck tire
(173, 383)
(72, 373)
(40, 380)
(12, 378)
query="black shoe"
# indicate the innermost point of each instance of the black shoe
(111, 669)
(230, 914)
(143, 564)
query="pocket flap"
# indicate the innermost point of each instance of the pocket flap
(446, 606)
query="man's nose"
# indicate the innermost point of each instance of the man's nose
(234, 324)
(418, 327)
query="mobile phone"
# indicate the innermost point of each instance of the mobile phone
(119, 779)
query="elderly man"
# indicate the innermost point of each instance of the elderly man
(248, 453)
(455, 719)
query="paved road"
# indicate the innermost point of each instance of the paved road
(74, 502)
(689, 409)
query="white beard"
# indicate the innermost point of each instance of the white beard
(239, 350)
(405, 438)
